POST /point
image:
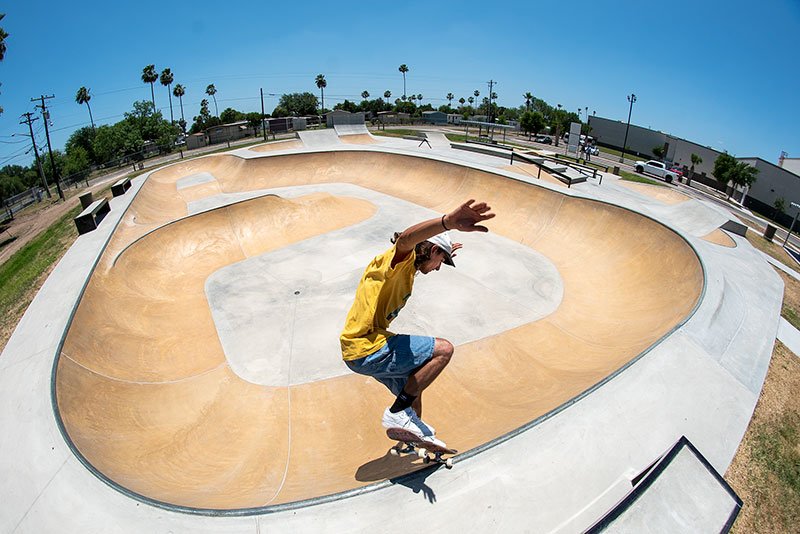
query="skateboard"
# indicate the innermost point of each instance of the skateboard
(410, 443)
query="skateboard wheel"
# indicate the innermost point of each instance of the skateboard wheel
(394, 451)
(426, 460)
(422, 452)
(448, 463)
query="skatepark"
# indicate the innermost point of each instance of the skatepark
(180, 369)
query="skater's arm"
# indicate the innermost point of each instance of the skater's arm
(464, 218)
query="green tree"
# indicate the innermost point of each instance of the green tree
(211, 91)
(149, 75)
(298, 104)
(722, 166)
(742, 174)
(728, 170)
(203, 119)
(3, 36)
(532, 122)
(471, 101)
(403, 69)
(150, 125)
(696, 160)
(83, 97)
(528, 98)
(364, 95)
(658, 152)
(179, 91)
(461, 101)
(321, 85)
(76, 164)
(166, 80)
(230, 115)
(82, 138)
(387, 95)
(254, 120)
(450, 97)
(347, 106)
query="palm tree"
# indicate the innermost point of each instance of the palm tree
(83, 97)
(419, 99)
(211, 91)
(403, 68)
(476, 94)
(696, 160)
(166, 80)
(528, 98)
(179, 91)
(471, 100)
(365, 94)
(149, 75)
(321, 85)
(450, 97)
(461, 101)
(387, 95)
(412, 98)
(3, 36)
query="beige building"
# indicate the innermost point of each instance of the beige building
(229, 132)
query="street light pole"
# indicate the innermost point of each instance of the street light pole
(631, 99)
(789, 233)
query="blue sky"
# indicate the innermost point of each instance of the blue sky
(724, 74)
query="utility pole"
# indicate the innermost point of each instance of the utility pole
(29, 121)
(631, 99)
(45, 117)
(263, 118)
(491, 84)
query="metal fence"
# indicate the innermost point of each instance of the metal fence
(22, 200)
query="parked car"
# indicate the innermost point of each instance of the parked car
(592, 150)
(546, 139)
(656, 168)
(677, 170)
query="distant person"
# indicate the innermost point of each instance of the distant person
(406, 364)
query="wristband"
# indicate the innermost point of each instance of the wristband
(444, 225)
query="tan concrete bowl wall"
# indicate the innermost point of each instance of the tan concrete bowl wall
(147, 397)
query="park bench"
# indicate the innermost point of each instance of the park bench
(88, 219)
(121, 187)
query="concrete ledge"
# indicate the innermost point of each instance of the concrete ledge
(735, 227)
(680, 489)
(481, 149)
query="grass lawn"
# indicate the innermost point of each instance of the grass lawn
(24, 272)
(631, 177)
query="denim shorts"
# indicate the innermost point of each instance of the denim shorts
(392, 364)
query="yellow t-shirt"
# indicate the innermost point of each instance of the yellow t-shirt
(381, 294)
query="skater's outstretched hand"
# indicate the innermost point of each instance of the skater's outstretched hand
(466, 217)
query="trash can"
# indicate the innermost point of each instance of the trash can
(769, 233)
(86, 200)
(616, 170)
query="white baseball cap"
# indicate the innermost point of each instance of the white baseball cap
(445, 245)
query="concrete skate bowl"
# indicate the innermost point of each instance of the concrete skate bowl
(151, 403)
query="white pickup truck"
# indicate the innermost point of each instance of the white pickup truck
(656, 168)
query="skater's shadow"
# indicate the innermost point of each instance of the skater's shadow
(403, 470)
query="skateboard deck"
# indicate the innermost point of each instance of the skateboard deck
(411, 443)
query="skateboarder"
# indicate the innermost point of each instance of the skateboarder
(406, 364)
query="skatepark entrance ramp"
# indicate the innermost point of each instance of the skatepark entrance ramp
(201, 369)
